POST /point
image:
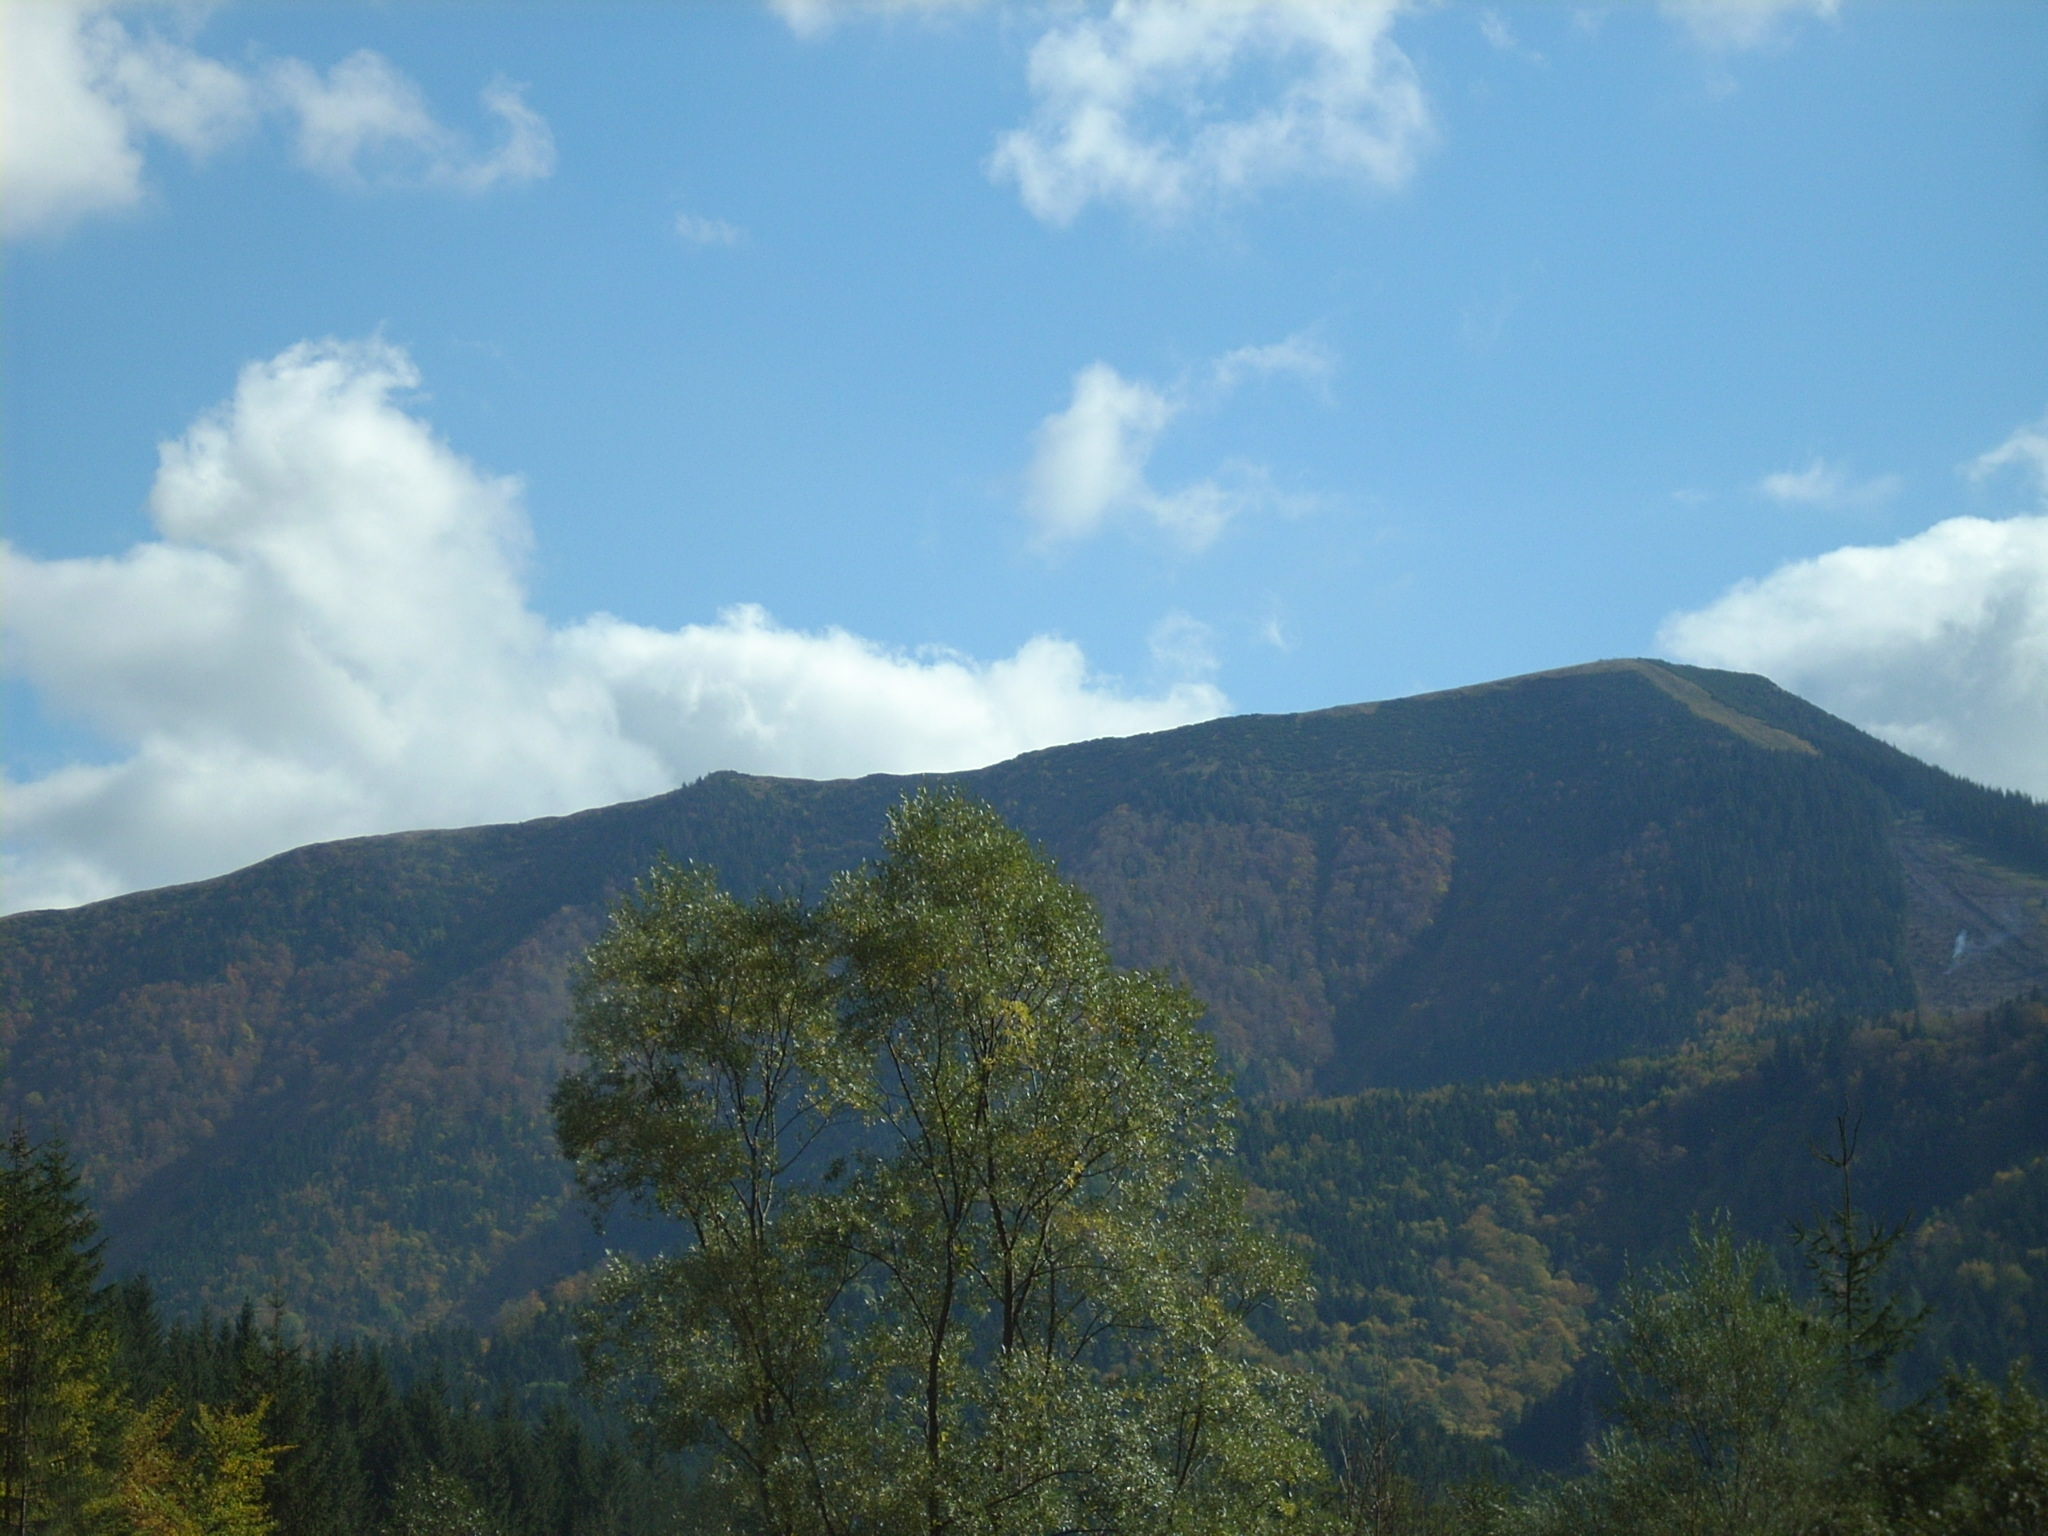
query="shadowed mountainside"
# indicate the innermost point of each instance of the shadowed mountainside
(327, 1073)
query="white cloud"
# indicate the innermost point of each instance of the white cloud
(330, 636)
(1089, 461)
(81, 93)
(1090, 458)
(2026, 449)
(1300, 354)
(1733, 26)
(84, 95)
(1166, 106)
(1829, 486)
(1182, 646)
(811, 18)
(364, 123)
(694, 230)
(1939, 642)
(1501, 37)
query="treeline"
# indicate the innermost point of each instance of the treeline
(1729, 1400)
(113, 1421)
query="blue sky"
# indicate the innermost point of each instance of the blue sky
(424, 414)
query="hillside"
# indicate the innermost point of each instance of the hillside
(1465, 1238)
(326, 1074)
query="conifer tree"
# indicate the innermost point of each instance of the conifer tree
(1846, 1252)
(57, 1397)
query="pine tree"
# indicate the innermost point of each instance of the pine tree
(1845, 1252)
(57, 1397)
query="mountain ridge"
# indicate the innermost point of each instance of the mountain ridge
(328, 1071)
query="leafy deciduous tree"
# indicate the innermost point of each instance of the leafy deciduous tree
(965, 1253)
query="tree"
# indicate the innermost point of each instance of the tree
(1845, 1252)
(1725, 1417)
(1972, 1461)
(215, 1489)
(963, 1251)
(1374, 1497)
(56, 1392)
(75, 1453)
(432, 1502)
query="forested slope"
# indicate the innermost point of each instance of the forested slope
(326, 1074)
(1465, 1238)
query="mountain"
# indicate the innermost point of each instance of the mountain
(326, 1074)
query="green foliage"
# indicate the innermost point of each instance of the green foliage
(965, 1251)
(1392, 1476)
(1845, 1252)
(2004, 823)
(1732, 1416)
(1461, 1240)
(58, 1398)
(366, 1428)
(431, 1502)
(1439, 1287)
(214, 1488)
(1970, 1461)
(1723, 1402)
(116, 1424)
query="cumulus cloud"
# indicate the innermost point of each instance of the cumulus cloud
(1733, 26)
(1828, 486)
(82, 95)
(1090, 458)
(1089, 461)
(1165, 106)
(330, 636)
(1939, 642)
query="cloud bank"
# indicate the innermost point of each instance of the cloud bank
(1938, 643)
(1164, 106)
(81, 96)
(330, 636)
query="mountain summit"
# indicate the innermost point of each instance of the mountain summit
(328, 1072)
